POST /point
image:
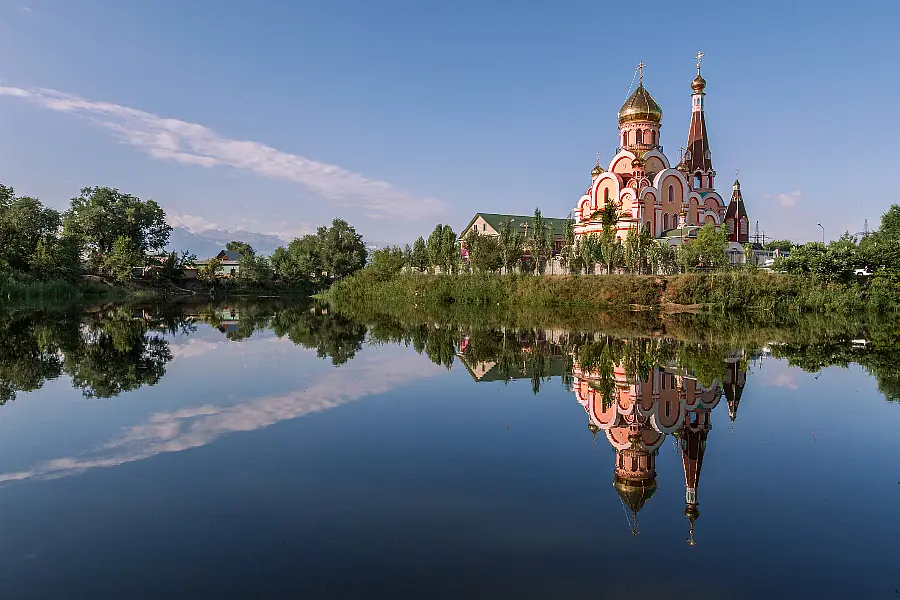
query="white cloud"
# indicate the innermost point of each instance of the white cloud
(193, 427)
(190, 222)
(786, 200)
(193, 144)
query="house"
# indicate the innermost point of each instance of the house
(229, 262)
(491, 223)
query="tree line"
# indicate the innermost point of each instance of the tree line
(111, 234)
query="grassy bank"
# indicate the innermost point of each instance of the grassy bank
(717, 292)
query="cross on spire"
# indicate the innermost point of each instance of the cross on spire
(699, 58)
(598, 158)
(640, 70)
(736, 172)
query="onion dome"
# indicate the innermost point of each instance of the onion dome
(596, 171)
(638, 162)
(640, 106)
(698, 84)
(634, 493)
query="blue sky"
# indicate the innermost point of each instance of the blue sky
(279, 115)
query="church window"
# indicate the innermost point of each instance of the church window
(648, 225)
(744, 226)
(483, 227)
(665, 221)
(653, 137)
(624, 138)
(639, 139)
(730, 226)
(698, 181)
(671, 193)
(606, 195)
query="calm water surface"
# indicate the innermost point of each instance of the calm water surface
(243, 454)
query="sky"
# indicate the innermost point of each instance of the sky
(277, 116)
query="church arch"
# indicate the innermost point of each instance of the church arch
(665, 226)
(639, 136)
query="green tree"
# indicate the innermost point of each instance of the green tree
(434, 246)
(511, 243)
(242, 248)
(567, 253)
(609, 218)
(209, 273)
(707, 252)
(420, 254)
(300, 261)
(589, 249)
(540, 241)
(101, 215)
(253, 269)
(123, 256)
(483, 250)
(386, 263)
(341, 249)
(782, 245)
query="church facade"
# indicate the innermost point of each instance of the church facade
(670, 200)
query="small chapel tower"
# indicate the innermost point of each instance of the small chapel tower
(737, 224)
(697, 157)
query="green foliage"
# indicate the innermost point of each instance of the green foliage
(209, 272)
(122, 257)
(612, 252)
(101, 215)
(386, 263)
(329, 254)
(420, 259)
(443, 251)
(483, 251)
(783, 245)
(253, 270)
(510, 244)
(539, 242)
(242, 248)
(705, 253)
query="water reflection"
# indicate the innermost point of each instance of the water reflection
(636, 412)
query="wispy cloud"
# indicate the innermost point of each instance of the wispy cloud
(192, 427)
(190, 222)
(788, 200)
(194, 144)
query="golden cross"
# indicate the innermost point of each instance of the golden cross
(736, 171)
(681, 154)
(640, 69)
(699, 58)
(598, 158)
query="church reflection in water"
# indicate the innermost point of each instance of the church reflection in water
(636, 416)
(636, 408)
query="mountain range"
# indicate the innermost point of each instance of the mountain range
(209, 242)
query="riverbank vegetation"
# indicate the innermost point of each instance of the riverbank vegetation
(841, 277)
(109, 244)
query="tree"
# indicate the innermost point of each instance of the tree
(782, 245)
(663, 259)
(253, 270)
(510, 246)
(386, 263)
(706, 252)
(242, 248)
(341, 250)
(209, 273)
(567, 252)
(434, 246)
(300, 261)
(589, 249)
(609, 218)
(121, 259)
(540, 241)
(449, 250)
(483, 250)
(407, 256)
(101, 215)
(419, 254)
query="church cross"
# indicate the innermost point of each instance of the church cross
(699, 58)
(736, 171)
(640, 70)
(598, 158)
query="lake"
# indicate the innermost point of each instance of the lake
(275, 451)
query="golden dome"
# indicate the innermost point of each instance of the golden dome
(640, 106)
(596, 171)
(698, 84)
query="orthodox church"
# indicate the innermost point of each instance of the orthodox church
(671, 201)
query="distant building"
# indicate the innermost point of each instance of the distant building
(490, 224)
(229, 262)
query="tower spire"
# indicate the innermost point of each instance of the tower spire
(640, 70)
(697, 157)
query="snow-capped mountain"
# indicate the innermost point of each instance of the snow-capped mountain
(209, 242)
